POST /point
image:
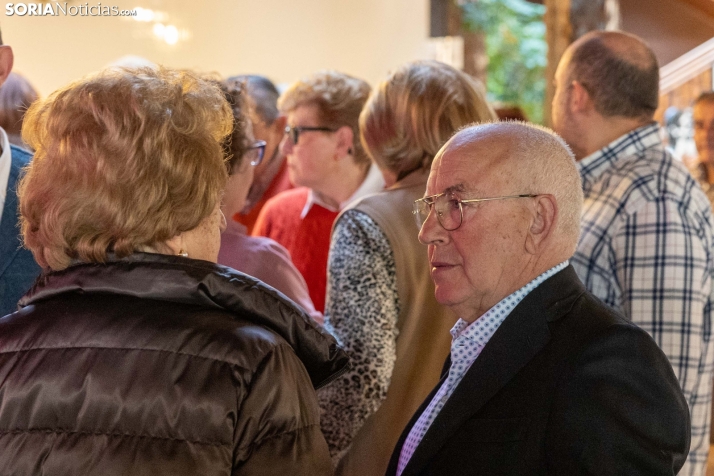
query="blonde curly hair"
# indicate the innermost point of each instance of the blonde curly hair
(125, 160)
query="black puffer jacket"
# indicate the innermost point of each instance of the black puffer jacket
(161, 365)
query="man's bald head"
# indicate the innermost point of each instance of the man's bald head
(529, 159)
(502, 207)
(618, 70)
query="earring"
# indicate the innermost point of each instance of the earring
(182, 253)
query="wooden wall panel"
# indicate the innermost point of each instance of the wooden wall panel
(683, 96)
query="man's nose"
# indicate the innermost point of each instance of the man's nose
(431, 231)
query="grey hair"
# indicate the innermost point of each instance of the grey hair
(547, 165)
(263, 94)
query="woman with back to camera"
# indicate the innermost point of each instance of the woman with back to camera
(381, 303)
(257, 256)
(135, 353)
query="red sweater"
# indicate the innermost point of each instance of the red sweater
(307, 239)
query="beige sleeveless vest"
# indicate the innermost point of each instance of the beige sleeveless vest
(423, 342)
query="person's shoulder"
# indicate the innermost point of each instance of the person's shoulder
(20, 156)
(144, 325)
(615, 384)
(234, 339)
(653, 175)
(264, 251)
(586, 318)
(225, 337)
(372, 199)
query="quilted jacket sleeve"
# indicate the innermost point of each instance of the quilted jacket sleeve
(278, 427)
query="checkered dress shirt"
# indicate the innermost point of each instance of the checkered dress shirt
(646, 250)
(468, 340)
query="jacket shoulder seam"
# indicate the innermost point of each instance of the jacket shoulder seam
(255, 443)
(140, 349)
(63, 431)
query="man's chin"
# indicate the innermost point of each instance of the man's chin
(445, 296)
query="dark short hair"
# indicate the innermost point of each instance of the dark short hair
(617, 86)
(236, 143)
(263, 93)
(706, 96)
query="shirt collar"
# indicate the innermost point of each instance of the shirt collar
(373, 182)
(480, 331)
(5, 165)
(632, 143)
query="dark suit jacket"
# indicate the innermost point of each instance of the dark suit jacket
(18, 268)
(566, 386)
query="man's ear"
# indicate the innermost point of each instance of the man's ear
(345, 141)
(544, 221)
(580, 100)
(7, 58)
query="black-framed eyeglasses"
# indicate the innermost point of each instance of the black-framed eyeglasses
(449, 210)
(255, 152)
(294, 131)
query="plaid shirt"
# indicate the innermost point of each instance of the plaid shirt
(646, 250)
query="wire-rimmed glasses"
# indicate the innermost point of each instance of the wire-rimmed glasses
(449, 209)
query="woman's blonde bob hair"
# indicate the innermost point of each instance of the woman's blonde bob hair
(415, 111)
(124, 160)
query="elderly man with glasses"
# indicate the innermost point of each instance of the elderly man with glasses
(543, 378)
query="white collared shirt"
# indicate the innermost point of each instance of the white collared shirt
(5, 163)
(372, 183)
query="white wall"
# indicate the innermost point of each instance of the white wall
(282, 39)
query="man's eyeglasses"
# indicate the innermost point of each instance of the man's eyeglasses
(255, 152)
(294, 131)
(449, 210)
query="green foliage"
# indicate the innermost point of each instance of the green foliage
(516, 48)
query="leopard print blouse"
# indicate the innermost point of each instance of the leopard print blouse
(361, 312)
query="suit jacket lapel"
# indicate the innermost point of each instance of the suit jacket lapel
(394, 460)
(519, 338)
(9, 244)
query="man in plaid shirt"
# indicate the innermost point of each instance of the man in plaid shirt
(646, 242)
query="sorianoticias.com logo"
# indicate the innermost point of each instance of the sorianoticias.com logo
(57, 9)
